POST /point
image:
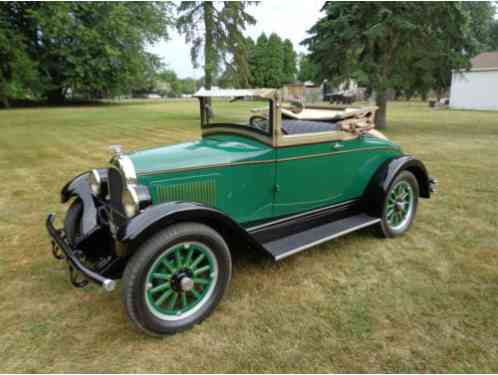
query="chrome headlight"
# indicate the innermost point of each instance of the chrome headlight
(134, 199)
(125, 165)
(97, 181)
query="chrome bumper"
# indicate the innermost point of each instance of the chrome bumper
(433, 182)
(61, 249)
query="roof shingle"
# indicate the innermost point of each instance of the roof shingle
(486, 60)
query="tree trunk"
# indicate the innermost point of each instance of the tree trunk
(380, 115)
(209, 52)
(3, 95)
(439, 94)
(5, 101)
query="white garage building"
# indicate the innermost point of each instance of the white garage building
(477, 88)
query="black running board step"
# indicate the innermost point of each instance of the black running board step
(294, 243)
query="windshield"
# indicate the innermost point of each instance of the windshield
(240, 112)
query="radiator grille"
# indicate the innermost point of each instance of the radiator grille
(193, 191)
(115, 186)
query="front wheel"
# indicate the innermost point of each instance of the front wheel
(72, 221)
(176, 279)
(400, 205)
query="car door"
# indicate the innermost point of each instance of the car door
(315, 175)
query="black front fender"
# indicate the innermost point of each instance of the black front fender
(385, 175)
(154, 218)
(80, 187)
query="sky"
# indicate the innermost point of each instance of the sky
(289, 19)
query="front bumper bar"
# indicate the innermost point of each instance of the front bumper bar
(74, 263)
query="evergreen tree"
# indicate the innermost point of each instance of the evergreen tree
(275, 62)
(392, 44)
(289, 62)
(308, 71)
(219, 38)
(260, 63)
(272, 62)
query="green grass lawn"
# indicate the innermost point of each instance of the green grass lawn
(427, 301)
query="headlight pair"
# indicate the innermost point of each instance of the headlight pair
(134, 199)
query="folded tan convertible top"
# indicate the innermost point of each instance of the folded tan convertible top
(353, 120)
(326, 114)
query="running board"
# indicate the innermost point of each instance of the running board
(294, 243)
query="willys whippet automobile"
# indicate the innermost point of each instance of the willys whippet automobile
(266, 175)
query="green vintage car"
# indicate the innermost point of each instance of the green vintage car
(267, 175)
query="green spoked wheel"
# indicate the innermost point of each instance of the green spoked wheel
(180, 280)
(400, 205)
(176, 278)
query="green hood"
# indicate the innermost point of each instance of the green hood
(212, 150)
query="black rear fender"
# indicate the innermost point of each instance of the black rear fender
(385, 175)
(155, 218)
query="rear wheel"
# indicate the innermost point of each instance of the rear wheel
(400, 205)
(176, 279)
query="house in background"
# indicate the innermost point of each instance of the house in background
(478, 87)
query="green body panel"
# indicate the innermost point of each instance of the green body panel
(231, 173)
(212, 150)
(251, 181)
(311, 176)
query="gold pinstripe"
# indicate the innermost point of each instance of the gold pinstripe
(220, 165)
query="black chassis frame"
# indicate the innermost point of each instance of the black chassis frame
(136, 230)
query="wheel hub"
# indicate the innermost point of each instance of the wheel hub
(181, 281)
(187, 284)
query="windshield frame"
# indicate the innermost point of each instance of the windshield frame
(210, 128)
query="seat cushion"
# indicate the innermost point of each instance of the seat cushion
(305, 126)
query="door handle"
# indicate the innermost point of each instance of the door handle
(337, 145)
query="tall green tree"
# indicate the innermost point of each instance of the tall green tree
(289, 61)
(98, 46)
(17, 69)
(493, 37)
(383, 40)
(308, 71)
(482, 21)
(237, 74)
(272, 61)
(258, 61)
(216, 29)
(94, 48)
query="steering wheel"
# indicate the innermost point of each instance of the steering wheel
(259, 122)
